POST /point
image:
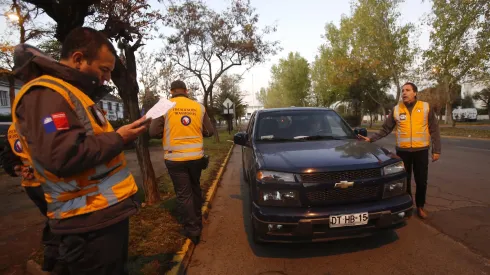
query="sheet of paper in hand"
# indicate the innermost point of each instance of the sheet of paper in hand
(160, 109)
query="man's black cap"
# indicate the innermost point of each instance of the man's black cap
(177, 84)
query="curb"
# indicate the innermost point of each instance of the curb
(182, 257)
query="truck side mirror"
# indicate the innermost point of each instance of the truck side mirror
(241, 138)
(361, 131)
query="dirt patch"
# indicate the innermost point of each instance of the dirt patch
(154, 233)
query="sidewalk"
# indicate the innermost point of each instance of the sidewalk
(21, 223)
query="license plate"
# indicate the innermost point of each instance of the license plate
(349, 220)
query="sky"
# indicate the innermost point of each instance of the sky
(300, 26)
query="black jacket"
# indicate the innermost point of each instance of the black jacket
(9, 160)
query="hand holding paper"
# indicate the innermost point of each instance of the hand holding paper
(160, 109)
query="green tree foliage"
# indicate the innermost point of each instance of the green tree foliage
(368, 42)
(385, 43)
(290, 84)
(261, 96)
(460, 44)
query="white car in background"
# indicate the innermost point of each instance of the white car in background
(465, 114)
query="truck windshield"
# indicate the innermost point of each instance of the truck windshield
(301, 125)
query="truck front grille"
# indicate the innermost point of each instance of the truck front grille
(341, 196)
(338, 176)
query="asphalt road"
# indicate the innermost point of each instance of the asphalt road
(476, 127)
(459, 203)
(458, 195)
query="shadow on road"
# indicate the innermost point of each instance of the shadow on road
(308, 250)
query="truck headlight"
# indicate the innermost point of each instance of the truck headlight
(394, 168)
(395, 188)
(279, 197)
(274, 177)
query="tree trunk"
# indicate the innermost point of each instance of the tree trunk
(449, 107)
(210, 112)
(449, 114)
(125, 80)
(383, 110)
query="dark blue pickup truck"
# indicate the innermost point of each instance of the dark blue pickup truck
(312, 179)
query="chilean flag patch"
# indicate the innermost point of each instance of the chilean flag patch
(55, 122)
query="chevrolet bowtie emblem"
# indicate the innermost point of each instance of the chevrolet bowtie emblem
(344, 184)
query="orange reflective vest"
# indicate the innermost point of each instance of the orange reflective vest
(17, 149)
(95, 189)
(182, 133)
(412, 129)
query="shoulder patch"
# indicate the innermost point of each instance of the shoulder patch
(55, 122)
(60, 121)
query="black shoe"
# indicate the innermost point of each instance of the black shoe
(195, 239)
(183, 232)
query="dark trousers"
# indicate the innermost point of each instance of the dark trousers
(418, 161)
(103, 251)
(50, 241)
(186, 176)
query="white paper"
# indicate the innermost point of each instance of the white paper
(160, 109)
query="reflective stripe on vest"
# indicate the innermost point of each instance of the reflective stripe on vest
(181, 141)
(98, 187)
(74, 102)
(412, 129)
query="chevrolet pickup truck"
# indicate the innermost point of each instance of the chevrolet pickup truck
(311, 178)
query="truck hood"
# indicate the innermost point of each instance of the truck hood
(320, 156)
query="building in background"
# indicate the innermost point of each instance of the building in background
(251, 109)
(113, 106)
(252, 105)
(4, 95)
